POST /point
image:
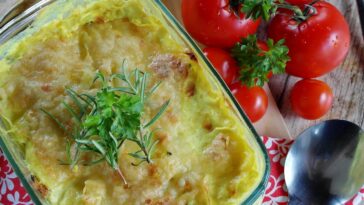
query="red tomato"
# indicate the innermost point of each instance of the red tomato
(254, 100)
(223, 63)
(311, 99)
(270, 74)
(317, 45)
(262, 45)
(215, 24)
(299, 2)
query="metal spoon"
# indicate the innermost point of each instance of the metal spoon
(326, 164)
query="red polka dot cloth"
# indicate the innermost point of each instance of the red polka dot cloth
(13, 193)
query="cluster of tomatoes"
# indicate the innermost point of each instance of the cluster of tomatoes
(315, 32)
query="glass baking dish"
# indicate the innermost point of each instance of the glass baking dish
(15, 29)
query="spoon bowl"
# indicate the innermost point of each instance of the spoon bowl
(325, 165)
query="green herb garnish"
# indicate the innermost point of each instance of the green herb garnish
(256, 63)
(105, 120)
(265, 9)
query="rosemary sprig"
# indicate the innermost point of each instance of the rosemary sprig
(104, 121)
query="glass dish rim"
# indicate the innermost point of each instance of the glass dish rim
(258, 191)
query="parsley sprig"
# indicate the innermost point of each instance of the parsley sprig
(256, 63)
(267, 8)
(104, 121)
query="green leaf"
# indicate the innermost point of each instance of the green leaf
(265, 9)
(119, 76)
(90, 98)
(82, 141)
(76, 100)
(152, 147)
(56, 121)
(142, 88)
(113, 138)
(154, 88)
(136, 79)
(137, 155)
(149, 137)
(259, 8)
(71, 111)
(91, 121)
(256, 63)
(122, 89)
(68, 152)
(105, 99)
(155, 118)
(99, 147)
(100, 76)
(76, 156)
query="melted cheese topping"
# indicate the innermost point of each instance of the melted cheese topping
(204, 155)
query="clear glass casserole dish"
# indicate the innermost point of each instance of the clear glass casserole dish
(14, 31)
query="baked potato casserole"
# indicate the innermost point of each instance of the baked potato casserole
(202, 152)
